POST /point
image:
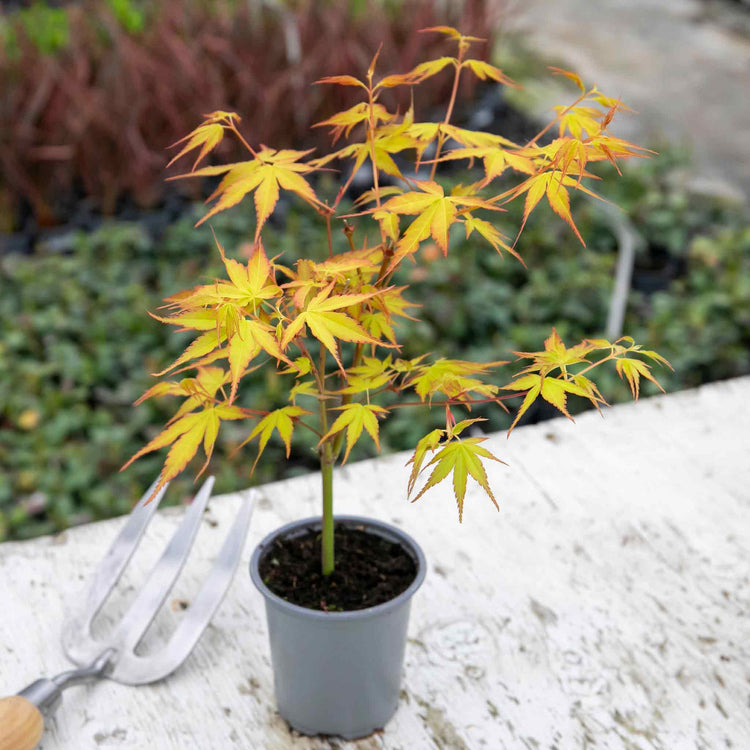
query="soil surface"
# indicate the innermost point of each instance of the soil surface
(369, 570)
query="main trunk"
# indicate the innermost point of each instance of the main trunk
(327, 551)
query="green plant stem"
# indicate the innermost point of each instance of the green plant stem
(327, 541)
(327, 459)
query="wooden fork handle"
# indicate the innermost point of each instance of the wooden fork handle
(21, 724)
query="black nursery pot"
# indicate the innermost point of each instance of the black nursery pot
(338, 672)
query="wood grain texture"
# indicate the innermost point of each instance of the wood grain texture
(606, 605)
(21, 724)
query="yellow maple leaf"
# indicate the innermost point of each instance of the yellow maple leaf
(186, 435)
(353, 418)
(269, 171)
(206, 136)
(324, 318)
(463, 458)
(435, 211)
(281, 420)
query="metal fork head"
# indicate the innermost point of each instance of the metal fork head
(126, 666)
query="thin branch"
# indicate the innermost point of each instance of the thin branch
(233, 128)
(448, 112)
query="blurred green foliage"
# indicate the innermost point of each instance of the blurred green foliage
(130, 14)
(76, 344)
(47, 28)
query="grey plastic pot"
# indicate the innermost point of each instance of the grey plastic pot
(338, 672)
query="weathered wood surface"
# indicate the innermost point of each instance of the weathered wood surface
(607, 605)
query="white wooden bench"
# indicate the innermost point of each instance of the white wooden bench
(606, 605)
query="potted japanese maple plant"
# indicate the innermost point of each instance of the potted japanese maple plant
(338, 590)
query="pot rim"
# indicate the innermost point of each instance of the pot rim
(371, 524)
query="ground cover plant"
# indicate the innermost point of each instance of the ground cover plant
(66, 384)
(330, 326)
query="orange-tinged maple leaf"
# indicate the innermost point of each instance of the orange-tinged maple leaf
(451, 32)
(452, 378)
(462, 457)
(192, 320)
(559, 201)
(389, 139)
(251, 284)
(343, 122)
(579, 120)
(435, 214)
(205, 136)
(265, 174)
(556, 354)
(354, 418)
(483, 71)
(198, 391)
(568, 74)
(492, 234)
(248, 340)
(327, 324)
(186, 435)
(420, 73)
(551, 184)
(206, 343)
(342, 81)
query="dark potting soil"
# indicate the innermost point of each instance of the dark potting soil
(369, 570)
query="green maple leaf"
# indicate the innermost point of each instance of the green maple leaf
(281, 420)
(354, 418)
(463, 458)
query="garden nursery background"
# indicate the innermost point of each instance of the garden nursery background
(92, 237)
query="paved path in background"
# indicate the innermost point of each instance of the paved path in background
(679, 63)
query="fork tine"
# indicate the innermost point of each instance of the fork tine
(161, 579)
(78, 626)
(133, 669)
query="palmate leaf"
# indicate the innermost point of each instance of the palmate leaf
(206, 136)
(326, 323)
(451, 377)
(495, 160)
(552, 390)
(247, 341)
(633, 369)
(462, 457)
(492, 234)
(251, 284)
(354, 418)
(483, 71)
(420, 73)
(281, 420)
(552, 184)
(269, 171)
(556, 354)
(388, 140)
(452, 33)
(186, 435)
(343, 122)
(568, 74)
(435, 212)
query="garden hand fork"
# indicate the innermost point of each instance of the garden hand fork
(113, 656)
